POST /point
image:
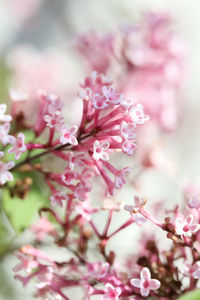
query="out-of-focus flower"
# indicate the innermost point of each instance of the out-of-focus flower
(185, 227)
(145, 283)
(5, 138)
(139, 203)
(58, 197)
(18, 146)
(97, 50)
(3, 116)
(193, 270)
(111, 292)
(23, 10)
(42, 228)
(5, 175)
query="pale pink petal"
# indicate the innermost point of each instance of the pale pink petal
(73, 130)
(154, 284)
(73, 140)
(144, 291)
(136, 282)
(145, 274)
(194, 228)
(189, 219)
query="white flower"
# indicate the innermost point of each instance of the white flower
(5, 175)
(185, 227)
(3, 117)
(18, 146)
(68, 135)
(99, 150)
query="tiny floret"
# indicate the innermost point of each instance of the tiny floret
(18, 146)
(3, 117)
(68, 135)
(99, 150)
(5, 175)
(111, 292)
(185, 227)
(145, 283)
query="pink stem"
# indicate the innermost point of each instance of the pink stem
(51, 136)
(150, 218)
(60, 154)
(31, 146)
(107, 224)
(95, 229)
(96, 118)
(126, 224)
(84, 115)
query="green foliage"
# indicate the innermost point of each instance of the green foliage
(4, 79)
(20, 212)
(194, 295)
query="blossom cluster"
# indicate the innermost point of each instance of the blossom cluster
(149, 58)
(72, 159)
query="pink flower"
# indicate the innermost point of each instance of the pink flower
(193, 270)
(98, 269)
(81, 190)
(58, 197)
(54, 103)
(5, 175)
(3, 117)
(139, 203)
(127, 130)
(129, 147)
(54, 120)
(5, 138)
(185, 227)
(97, 50)
(194, 202)
(68, 135)
(111, 292)
(69, 176)
(42, 228)
(27, 263)
(85, 209)
(99, 150)
(145, 283)
(19, 146)
(100, 102)
(111, 96)
(137, 114)
(120, 178)
(85, 94)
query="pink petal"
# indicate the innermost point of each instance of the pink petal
(63, 140)
(196, 274)
(73, 130)
(136, 282)
(145, 274)
(10, 165)
(189, 219)
(144, 291)
(154, 284)
(3, 108)
(128, 207)
(194, 228)
(73, 141)
(105, 145)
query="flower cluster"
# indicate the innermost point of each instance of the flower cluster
(151, 57)
(41, 148)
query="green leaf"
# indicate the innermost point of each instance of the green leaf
(20, 212)
(194, 295)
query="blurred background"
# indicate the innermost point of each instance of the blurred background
(39, 49)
